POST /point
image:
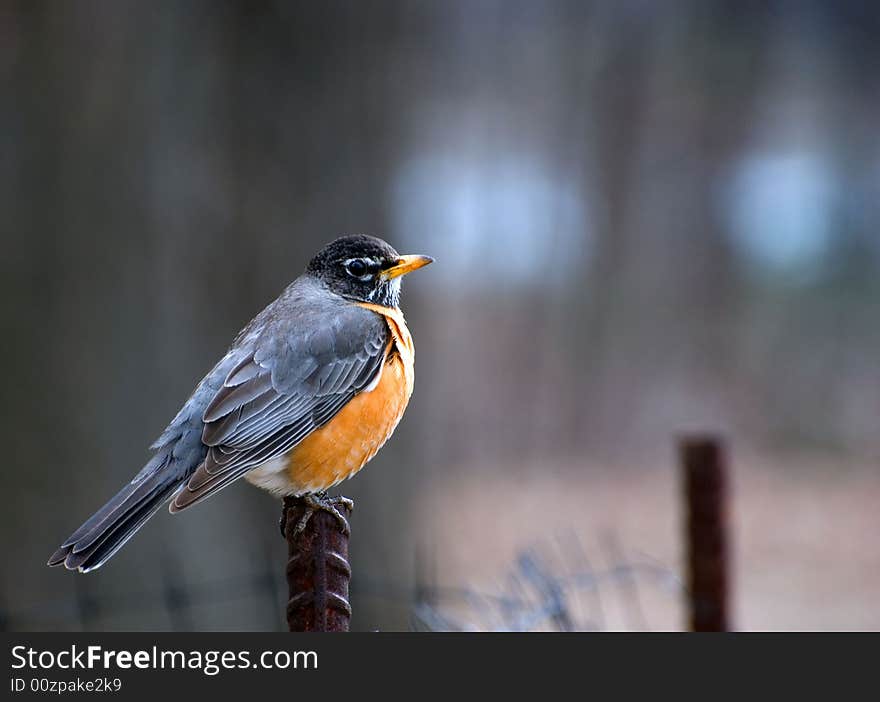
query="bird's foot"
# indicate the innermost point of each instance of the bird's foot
(321, 502)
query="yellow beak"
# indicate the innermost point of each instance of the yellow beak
(406, 264)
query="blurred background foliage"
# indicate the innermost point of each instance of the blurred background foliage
(647, 217)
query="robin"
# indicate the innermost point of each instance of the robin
(307, 394)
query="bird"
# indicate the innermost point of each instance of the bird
(306, 395)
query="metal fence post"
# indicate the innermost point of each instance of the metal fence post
(318, 572)
(704, 467)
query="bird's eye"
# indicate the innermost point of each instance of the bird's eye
(357, 268)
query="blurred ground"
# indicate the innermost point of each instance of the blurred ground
(803, 531)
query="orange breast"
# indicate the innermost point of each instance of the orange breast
(347, 442)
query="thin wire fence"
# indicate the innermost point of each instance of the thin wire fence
(546, 588)
(551, 589)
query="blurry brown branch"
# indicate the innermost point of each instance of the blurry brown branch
(318, 572)
(704, 467)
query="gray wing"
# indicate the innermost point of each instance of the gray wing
(291, 377)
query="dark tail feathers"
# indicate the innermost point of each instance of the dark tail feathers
(106, 531)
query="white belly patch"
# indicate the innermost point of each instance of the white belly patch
(271, 476)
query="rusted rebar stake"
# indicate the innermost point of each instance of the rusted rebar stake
(704, 465)
(318, 572)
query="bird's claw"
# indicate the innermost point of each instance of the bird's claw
(320, 502)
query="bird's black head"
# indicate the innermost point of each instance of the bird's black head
(364, 268)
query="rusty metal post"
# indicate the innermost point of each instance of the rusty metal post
(318, 572)
(704, 466)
